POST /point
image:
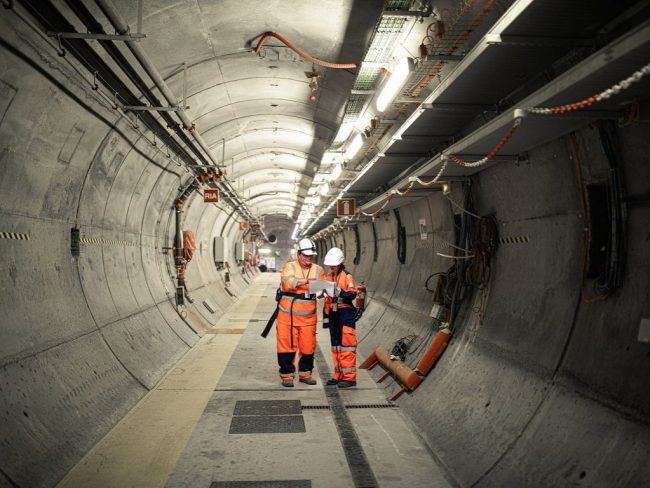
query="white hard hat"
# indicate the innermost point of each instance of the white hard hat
(334, 257)
(307, 247)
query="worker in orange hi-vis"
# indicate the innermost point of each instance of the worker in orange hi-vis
(339, 315)
(297, 315)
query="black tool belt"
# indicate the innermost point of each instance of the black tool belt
(279, 294)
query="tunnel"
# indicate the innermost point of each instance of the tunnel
(160, 161)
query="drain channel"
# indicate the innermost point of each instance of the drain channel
(360, 469)
(366, 405)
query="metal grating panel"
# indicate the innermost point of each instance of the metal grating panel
(267, 424)
(262, 484)
(398, 4)
(267, 407)
(360, 405)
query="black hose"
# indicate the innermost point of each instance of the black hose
(374, 242)
(612, 278)
(357, 240)
(401, 238)
(48, 16)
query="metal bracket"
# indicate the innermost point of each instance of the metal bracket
(104, 37)
(419, 14)
(134, 108)
(496, 159)
(408, 100)
(460, 107)
(533, 41)
(444, 57)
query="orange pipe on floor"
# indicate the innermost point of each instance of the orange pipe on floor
(370, 362)
(408, 378)
(405, 375)
(433, 352)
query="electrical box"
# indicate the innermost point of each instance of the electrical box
(220, 255)
(239, 251)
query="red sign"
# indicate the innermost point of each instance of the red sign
(211, 195)
(345, 207)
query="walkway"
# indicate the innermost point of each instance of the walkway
(221, 419)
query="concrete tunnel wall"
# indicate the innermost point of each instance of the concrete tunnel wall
(83, 339)
(546, 390)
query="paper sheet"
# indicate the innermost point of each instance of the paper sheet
(318, 286)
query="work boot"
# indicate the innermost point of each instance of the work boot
(288, 383)
(308, 381)
(332, 382)
(347, 384)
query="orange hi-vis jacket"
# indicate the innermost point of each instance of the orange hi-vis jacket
(348, 291)
(297, 318)
(301, 307)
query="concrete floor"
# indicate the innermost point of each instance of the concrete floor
(178, 435)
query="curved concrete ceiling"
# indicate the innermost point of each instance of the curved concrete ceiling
(244, 103)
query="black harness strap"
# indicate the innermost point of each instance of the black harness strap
(269, 324)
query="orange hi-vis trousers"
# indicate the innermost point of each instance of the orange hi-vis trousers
(340, 315)
(343, 337)
(297, 318)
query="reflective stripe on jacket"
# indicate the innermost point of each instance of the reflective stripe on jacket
(348, 293)
(303, 304)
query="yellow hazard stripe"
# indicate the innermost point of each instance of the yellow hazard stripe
(14, 235)
(515, 240)
(113, 242)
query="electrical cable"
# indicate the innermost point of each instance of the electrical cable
(301, 53)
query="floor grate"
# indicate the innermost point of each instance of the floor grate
(267, 407)
(262, 484)
(267, 424)
(267, 417)
(362, 405)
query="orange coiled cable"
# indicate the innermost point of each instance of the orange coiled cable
(300, 52)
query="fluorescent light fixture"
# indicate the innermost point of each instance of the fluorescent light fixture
(336, 172)
(344, 131)
(295, 232)
(354, 146)
(264, 250)
(395, 82)
(324, 189)
(315, 200)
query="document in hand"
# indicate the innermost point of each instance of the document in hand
(320, 286)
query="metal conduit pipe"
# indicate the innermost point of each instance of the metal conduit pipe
(49, 17)
(96, 28)
(121, 27)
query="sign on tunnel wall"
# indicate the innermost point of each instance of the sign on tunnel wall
(211, 195)
(345, 207)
